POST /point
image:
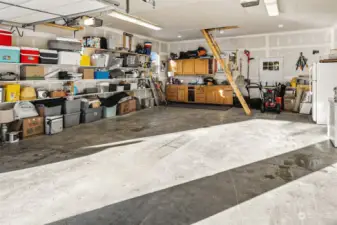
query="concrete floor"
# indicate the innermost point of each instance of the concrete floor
(173, 166)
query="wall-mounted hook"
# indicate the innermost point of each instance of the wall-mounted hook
(20, 34)
(13, 29)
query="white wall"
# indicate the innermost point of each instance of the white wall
(39, 39)
(287, 45)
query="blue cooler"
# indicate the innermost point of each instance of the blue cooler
(9, 54)
(102, 75)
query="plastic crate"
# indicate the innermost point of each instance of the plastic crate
(71, 120)
(72, 106)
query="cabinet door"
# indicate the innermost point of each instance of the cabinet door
(188, 66)
(176, 66)
(200, 94)
(201, 66)
(211, 95)
(225, 95)
(179, 64)
(172, 93)
(182, 95)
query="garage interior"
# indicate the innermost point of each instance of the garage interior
(149, 112)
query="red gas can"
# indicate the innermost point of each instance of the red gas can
(5, 37)
(30, 55)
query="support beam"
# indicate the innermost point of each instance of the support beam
(216, 52)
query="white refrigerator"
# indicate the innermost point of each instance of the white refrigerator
(324, 80)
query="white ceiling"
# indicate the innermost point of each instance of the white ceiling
(62, 7)
(187, 17)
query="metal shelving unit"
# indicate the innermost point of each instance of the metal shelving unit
(77, 96)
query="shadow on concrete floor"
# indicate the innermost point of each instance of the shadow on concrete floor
(162, 120)
(194, 201)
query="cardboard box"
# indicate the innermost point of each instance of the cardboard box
(32, 126)
(32, 73)
(88, 74)
(289, 104)
(127, 107)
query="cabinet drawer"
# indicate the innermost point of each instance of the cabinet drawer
(200, 100)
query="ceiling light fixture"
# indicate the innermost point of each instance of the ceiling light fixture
(179, 36)
(272, 7)
(133, 19)
(280, 26)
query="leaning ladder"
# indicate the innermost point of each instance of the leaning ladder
(216, 52)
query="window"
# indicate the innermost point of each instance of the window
(271, 66)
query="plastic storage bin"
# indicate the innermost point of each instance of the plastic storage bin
(5, 38)
(48, 56)
(91, 115)
(53, 124)
(12, 92)
(102, 75)
(120, 88)
(62, 44)
(9, 54)
(133, 86)
(72, 106)
(112, 87)
(30, 55)
(109, 111)
(6, 116)
(49, 111)
(69, 58)
(71, 120)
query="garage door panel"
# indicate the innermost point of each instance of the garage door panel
(13, 12)
(36, 16)
(18, 2)
(76, 8)
(49, 6)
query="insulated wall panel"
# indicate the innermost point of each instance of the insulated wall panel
(305, 38)
(291, 56)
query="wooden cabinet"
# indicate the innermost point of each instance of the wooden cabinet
(219, 94)
(200, 94)
(179, 64)
(211, 95)
(172, 93)
(183, 93)
(177, 93)
(176, 66)
(188, 66)
(201, 66)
